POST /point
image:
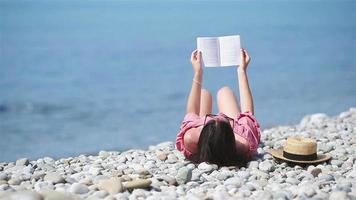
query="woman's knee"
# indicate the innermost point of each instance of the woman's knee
(206, 93)
(226, 90)
(227, 102)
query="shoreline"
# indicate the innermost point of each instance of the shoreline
(161, 171)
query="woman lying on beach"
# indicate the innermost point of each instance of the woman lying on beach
(229, 138)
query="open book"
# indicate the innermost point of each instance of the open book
(220, 51)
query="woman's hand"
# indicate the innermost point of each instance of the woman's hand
(245, 59)
(196, 61)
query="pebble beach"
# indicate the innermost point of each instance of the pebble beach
(162, 172)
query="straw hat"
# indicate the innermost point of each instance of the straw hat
(299, 150)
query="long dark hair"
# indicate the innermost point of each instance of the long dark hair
(217, 145)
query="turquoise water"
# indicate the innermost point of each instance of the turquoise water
(79, 77)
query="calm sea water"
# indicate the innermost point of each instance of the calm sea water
(79, 77)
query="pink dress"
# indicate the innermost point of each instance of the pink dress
(245, 125)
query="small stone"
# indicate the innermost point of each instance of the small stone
(184, 175)
(191, 166)
(267, 156)
(140, 193)
(207, 168)
(318, 118)
(156, 184)
(337, 163)
(305, 176)
(128, 171)
(316, 171)
(99, 194)
(352, 174)
(28, 170)
(326, 177)
(222, 175)
(345, 186)
(235, 181)
(125, 178)
(86, 181)
(94, 171)
(138, 183)
(255, 185)
(112, 186)
(344, 115)
(14, 181)
(40, 186)
(79, 188)
(70, 180)
(321, 195)
(310, 168)
(196, 175)
(22, 162)
(252, 165)
(3, 176)
(171, 158)
(139, 169)
(104, 154)
(260, 174)
(54, 177)
(266, 166)
(122, 159)
(162, 156)
(4, 187)
(325, 148)
(291, 173)
(48, 160)
(170, 180)
(2, 182)
(292, 181)
(307, 190)
(243, 174)
(337, 195)
(344, 158)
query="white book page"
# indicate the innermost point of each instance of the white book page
(230, 50)
(209, 46)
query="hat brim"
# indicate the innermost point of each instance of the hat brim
(278, 153)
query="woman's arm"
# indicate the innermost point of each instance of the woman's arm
(193, 105)
(245, 92)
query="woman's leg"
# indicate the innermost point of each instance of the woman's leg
(227, 102)
(205, 103)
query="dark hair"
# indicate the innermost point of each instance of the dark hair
(217, 145)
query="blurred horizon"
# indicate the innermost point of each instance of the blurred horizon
(84, 76)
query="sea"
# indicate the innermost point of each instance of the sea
(77, 77)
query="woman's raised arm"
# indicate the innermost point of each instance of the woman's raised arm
(245, 92)
(193, 105)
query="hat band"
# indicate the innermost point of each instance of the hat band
(293, 156)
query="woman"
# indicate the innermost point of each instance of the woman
(229, 138)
